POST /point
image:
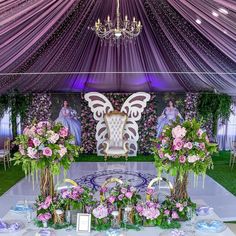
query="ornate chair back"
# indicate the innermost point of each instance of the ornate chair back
(115, 122)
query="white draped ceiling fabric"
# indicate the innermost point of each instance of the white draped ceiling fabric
(50, 36)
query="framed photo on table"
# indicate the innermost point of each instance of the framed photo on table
(83, 223)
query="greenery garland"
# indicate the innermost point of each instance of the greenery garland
(17, 104)
(214, 106)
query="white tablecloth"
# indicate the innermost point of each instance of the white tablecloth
(148, 231)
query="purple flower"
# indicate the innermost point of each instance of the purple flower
(139, 208)
(121, 196)
(129, 195)
(103, 189)
(150, 191)
(112, 199)
(123, 190)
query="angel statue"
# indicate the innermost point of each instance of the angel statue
(68, 118)
(169, 114)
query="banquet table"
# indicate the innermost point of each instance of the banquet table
(145, 231)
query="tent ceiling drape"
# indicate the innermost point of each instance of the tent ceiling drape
(53, 36)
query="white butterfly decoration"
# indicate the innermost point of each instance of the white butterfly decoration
(133, 107)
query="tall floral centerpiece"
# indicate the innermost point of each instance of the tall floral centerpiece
(46, 147)
(183, 148)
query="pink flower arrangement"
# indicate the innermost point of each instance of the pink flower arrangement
(44, 217)
(148, 210)
(100, 212)
(185, 145)
(42, 140)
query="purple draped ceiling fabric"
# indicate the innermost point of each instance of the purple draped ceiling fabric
(53, 36)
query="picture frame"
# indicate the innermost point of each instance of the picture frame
(83, 224)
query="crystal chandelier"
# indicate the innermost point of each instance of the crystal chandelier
(119, 29)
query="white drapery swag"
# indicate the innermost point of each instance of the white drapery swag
(227, 131)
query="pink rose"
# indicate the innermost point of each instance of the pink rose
(202, 146)
(182, 159)
(188, 145)
(174, 215)
(200, 132)
(63, 132)
(129, 195)
(36, 142)
(121, 196)
(31, 152)
(178, 132)
(123, 190)
(166, 212)
(53, 138)
(177, 143)
(21, 150)
(62, 151)
(44, 217)
(47, 151)
(39, 131)
(193, 158)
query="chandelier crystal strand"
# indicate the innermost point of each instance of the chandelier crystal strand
(118, 29)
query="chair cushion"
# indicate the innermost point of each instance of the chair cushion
(116, 151)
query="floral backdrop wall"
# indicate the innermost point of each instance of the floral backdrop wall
(192, 112)
(146, 124)
(40, 108)
(191, 106)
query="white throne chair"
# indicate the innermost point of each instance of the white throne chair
(115, 145)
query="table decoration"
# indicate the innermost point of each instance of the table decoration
(11, 226)
(40, 232)
(183, 147)
(123, 197)
(210, 226)
(204, 211)
(45, 147)
(21, 209)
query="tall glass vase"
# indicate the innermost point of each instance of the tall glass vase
(180, 186)
(46, 182)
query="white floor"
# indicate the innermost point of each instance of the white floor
(93, 174)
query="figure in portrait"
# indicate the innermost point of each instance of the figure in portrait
(169, 114)
(68, 118)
